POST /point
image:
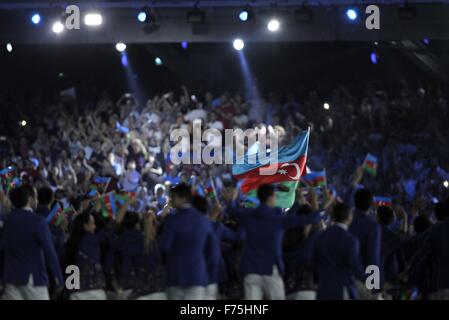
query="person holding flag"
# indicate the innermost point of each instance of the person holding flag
(288, 165)
(187, 244)
(264, 226)
(45, 197)
(83, 250)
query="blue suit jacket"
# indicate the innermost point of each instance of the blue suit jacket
(187, 243)
(57, 233)
(392, 259)
(369, 234)
(264, 230)
(29, 250)
(219, 273)
(439, 252)
(336, 260)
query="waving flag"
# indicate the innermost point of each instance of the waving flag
(198, 191)
(9, 180)
(370, 164)
(101, 183)
(382, 201)
(56, 215)
(210, 189)
(290, 165)
(7, 173)
(316, 179)
(108, 205)
(93, 193)
(121, 198)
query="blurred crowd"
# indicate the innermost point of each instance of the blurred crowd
(60, 148)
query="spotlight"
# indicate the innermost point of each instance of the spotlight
(23, 123)
(273, 25)
(142, 16)
(373, 57)
(351, 14)
(326, 106)
(93, 19)
(8, 47)
(58, 27)
(184, 44)
(426, 41)
(243, 15)
(157, 61)
(36, 18)
(238, 44)
(446, 184)
(196, 16)
(120, 47)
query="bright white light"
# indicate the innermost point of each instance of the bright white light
(326, 106)
(243, 15)
(273, 25)
(142, 16)
(120, 46)
(446, 184)
(36, 18)
(158, 61)
(9, 47)
(351, 14)
(23, 123)
(58, 27)
(93, 19)
(238, 44)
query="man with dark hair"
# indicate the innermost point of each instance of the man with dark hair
(45, 197)
(187, 243)
(28, 250)
(336, 258)
(392, 258)
(262, 262)
(367, 231)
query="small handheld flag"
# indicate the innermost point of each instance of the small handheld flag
(370, 164)
(8, 179)
(93, 192)
(108, 205)
(382, 201)
(210, 189)
(101, 183)
(56, 215)
(316, 179)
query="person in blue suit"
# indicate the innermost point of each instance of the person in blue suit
(262, 263)
(29, 250)
(367, 231)
(438, 242)
(363, 226)
(222, 233)
(392, 258)
(187, 245)
(45, 197)
(140, 270)
(336, 258)
(298, 251)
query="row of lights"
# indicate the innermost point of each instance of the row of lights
(95, 19)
